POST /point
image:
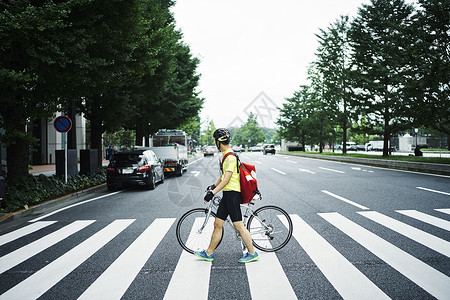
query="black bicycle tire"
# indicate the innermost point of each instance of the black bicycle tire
(290, 229)
(180, 221)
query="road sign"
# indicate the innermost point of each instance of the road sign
(62, 124)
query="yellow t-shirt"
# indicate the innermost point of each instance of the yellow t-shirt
(230, 164)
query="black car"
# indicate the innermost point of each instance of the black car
(135, 167)
(269, 149)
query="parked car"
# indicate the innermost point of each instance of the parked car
(209, 150)
(135, 167)
(269, 149)
(237, 149)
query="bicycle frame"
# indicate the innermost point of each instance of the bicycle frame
(214, 203)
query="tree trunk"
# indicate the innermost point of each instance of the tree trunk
(17, 158)
(344, 128)
(96, 139)
(139, 135)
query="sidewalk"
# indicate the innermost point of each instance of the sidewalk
(49, 170)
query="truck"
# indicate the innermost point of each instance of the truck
(171, 148)
(375, 146)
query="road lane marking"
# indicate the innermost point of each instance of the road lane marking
(345, 200)
(434, 191)
(14, 235)
(444, 224)
(431, 280)
(306, 171)
(196, 173)
(422, 237)
(40, 282)
(193, 162)
(342, 274)
(114, 282)
(258, 162)
(268, 263)
(73, 205)
(18, 256)
(190, 280)
(356, 169)
(291, 161)
(281, 172)
(444, 210)
(332, 170)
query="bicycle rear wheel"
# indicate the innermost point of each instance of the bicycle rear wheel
(193, 232)
(270, 228)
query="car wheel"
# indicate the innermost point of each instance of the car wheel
(110, 188)
(152, 183)
(162, 178)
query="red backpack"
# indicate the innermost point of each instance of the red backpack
(249, 185)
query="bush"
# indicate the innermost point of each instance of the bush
(31, 190)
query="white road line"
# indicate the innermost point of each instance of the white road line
(434, 191)
(356, 169)
(444, 210)
(281, 172)
(193, 162)
(291, 161)
(345, 200)
(444, 224)
(40, 282)
(422, 237)
(73, 205)
(190, 280)
(332, 170)
(196, 173)
(431, 280)
(18, 256)
(14, 235)
(342, 274)
(258, 162)
(307, 171)
(257, 272)
(114, 282)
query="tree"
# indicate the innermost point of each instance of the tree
(334, 64)
(381, 40)
(294, 120)
(250, 133)
(35, 51)
(429, 79)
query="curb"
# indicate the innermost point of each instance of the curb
(439, 169)
(48, 204)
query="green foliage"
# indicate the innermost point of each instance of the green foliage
(249, 134)
(30, 190)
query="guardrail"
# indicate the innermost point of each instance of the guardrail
(441, 169)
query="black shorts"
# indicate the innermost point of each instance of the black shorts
(230, 205)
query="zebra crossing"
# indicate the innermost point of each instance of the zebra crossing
(192, 278)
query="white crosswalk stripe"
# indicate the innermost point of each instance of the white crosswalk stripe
(191, 276)
(37, 284)
(123, 271)
(346, 278)
(14, 258)
(431, 280)
(9, 237)
(415, 234)
(426, 218)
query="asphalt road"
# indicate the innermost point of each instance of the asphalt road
(359, 232)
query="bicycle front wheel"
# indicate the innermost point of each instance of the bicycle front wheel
(270, 228)
(195, 228)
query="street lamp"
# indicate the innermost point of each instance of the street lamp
(416, 130)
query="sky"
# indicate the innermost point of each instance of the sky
(253, 53)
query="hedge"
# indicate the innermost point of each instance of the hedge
(31, 190)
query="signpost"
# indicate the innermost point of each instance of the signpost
(63, 124)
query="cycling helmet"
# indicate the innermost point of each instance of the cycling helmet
(222, 135)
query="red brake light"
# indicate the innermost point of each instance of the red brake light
(145, 168)
(111, 170)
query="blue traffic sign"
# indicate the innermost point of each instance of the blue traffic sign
(62, 124)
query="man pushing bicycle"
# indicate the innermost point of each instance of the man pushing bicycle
(231, 200)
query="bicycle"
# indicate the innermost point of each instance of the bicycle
(270, 226)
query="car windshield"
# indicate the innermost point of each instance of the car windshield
(129, 158)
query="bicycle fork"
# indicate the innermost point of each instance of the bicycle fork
(208, 214)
